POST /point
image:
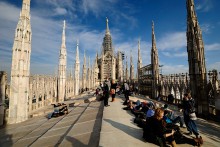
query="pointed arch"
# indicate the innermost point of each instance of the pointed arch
(177, 93)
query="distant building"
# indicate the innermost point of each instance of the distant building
(110, 65)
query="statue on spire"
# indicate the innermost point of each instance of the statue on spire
(107, 28)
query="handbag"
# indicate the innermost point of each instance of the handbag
(192, 116)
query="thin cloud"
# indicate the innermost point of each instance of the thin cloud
(206, 28)
(56, 8)
(61, 11)
(172, 54)
(172, 41)
(109, 7)
(205, 6)
(97, 7)
(215, 65)
(171, 68)
(11, 11)
(212, 47)
(128, 18)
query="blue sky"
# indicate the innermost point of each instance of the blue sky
(129, 20)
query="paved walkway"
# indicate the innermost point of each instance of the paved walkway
(118, 129)
(81, 127)
(93, 125)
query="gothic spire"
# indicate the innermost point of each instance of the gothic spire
(107, 28)
(77, 51)
(77, 69)
(107, 41)
(89, 63)
(196, 59)
(62, 67)
(131, 67)
(63, 46)
(97, 55)
(84, 58)
(139, 54)
(154, 51)
(25, 12)
(63, 35)
(153, 37)
(20, 68)
(131, 60)
(126, 61)
(96, 60)
(154, 63)
(126, 69)
(84, 72)
(191, 14)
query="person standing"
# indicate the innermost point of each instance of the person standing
(106, 92)
(126, 93)
(113, 90)
(188, 106)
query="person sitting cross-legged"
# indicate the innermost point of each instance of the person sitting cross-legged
(170, 118)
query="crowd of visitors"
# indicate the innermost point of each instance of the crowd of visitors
(111, 88)
(161, 125)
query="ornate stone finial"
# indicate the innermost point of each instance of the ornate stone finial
(26, 8)
(152, 26)
(139, 47)
(77, 42)
(63, 36)
(84, 57)
(77, 50)
(107, 28)
(153, 37)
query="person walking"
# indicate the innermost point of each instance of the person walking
(113, 90)
(126, 93)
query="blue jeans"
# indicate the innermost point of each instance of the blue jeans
(191, 125)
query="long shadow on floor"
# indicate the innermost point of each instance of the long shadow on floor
(134, 132)
(75, 142)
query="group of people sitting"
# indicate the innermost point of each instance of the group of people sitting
(59, 110)
(160, 125)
